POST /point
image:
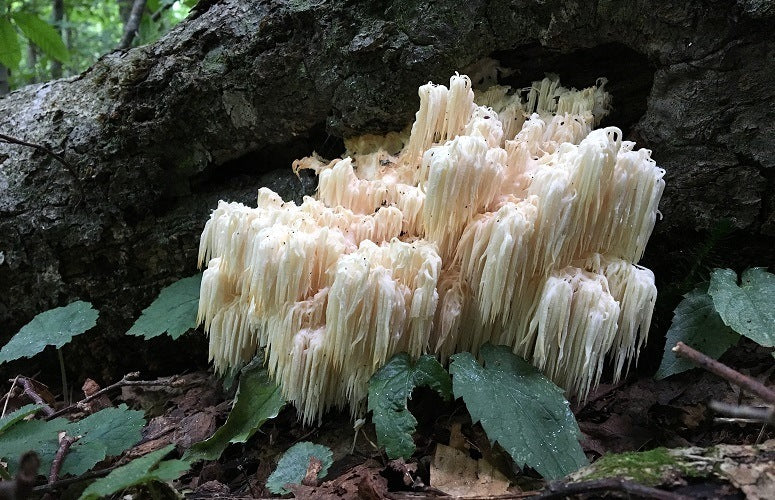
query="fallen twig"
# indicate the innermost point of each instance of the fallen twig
(63, 483)
(744, 413)
(725, 372)
(124, 382)
(65, 442)
(8, 395)
(31, 393)
(563, 490)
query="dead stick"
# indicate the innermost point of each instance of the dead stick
(751, 413)
(33, 395)
(725, 372)
(563, 490)
(124, 382)
(62, 483)
(64, 446)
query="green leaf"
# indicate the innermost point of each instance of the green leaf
(258, 399)
(173, 311)
(54, 327)
(43, 35)
(30, 435)
(10, 50)
(697, 324)
(748, 309)
(389, 390)
(104, 434)
(13, 417)
(293, 465)
(141, 470)
(520, 409)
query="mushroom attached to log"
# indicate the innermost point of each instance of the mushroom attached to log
(502, 217)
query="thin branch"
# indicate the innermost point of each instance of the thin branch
(725, 372)
(64, 446)
(124, 382)
(31, 393)
(8, 395)
(78, 185)
(63, 483)
(132, 24)
(747, 413)
(563, 490)
(13, 140)
(157, 15)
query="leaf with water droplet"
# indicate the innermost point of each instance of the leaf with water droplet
(520, 409)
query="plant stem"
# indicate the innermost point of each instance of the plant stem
(65, 395)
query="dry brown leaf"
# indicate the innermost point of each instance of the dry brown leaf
(459, 475)
(313, 469)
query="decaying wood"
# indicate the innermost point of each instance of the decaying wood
(157, 134)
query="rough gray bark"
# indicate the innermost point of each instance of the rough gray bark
(157, 134)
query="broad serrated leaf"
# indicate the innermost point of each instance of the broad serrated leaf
(30, 435)
(141, 470)
(104, 434)
(173, 311)
(748, 309)
(520, 409)
(258, 399)
(10, 50)
(43, 35)
(17, 415)
(293, 465)
(54, 327)
(389, 390)
(697, 324)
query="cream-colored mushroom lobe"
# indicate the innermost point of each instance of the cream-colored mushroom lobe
(501, 216)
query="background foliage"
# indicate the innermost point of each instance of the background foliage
(32, 40)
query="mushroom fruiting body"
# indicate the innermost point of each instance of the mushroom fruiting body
(511, 222)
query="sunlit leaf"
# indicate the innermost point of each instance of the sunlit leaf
(43, 35)
(10, 50)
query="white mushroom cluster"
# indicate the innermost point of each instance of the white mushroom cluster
(502, 217)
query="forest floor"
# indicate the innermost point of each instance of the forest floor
(454, 456)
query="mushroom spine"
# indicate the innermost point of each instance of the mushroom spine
(502, 217)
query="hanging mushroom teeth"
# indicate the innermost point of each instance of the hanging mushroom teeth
(501, 217)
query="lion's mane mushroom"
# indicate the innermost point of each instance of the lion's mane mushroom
(509, 221)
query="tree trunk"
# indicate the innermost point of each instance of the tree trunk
(154, 136)
(132, 24)
(4, 86)
(57, 16)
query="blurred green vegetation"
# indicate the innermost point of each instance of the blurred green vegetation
(35, 46)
